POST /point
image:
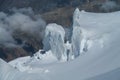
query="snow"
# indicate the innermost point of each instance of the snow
(48, 56)
(6, 71)
(112, 75)
(21, 59)
(98, 44)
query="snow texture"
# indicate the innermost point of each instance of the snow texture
(6, 71)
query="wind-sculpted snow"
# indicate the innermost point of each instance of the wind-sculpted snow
(6, 71)
(112, 75)
(98, 44)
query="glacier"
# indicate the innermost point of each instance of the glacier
(98, 49)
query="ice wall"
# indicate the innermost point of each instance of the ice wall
(76, 36)
(54, 41)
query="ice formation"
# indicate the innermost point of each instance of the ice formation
(54, 41)
(75, 48)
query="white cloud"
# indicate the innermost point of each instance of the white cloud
(109, 5)
(23, 20)
(5, 36)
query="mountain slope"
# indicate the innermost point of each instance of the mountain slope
(100, 36)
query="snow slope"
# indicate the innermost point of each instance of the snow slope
(112, 75)
(99, 53)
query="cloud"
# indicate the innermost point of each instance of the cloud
(5, 36)
(109, 5)
(23, 20)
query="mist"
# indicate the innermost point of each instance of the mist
(109, 5)
(23, 20)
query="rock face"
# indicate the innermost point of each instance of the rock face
(8, 54)
(37, 5)
(26, 44)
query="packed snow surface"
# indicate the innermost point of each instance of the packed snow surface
(98, 60)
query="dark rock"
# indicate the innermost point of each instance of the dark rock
(8, 53)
